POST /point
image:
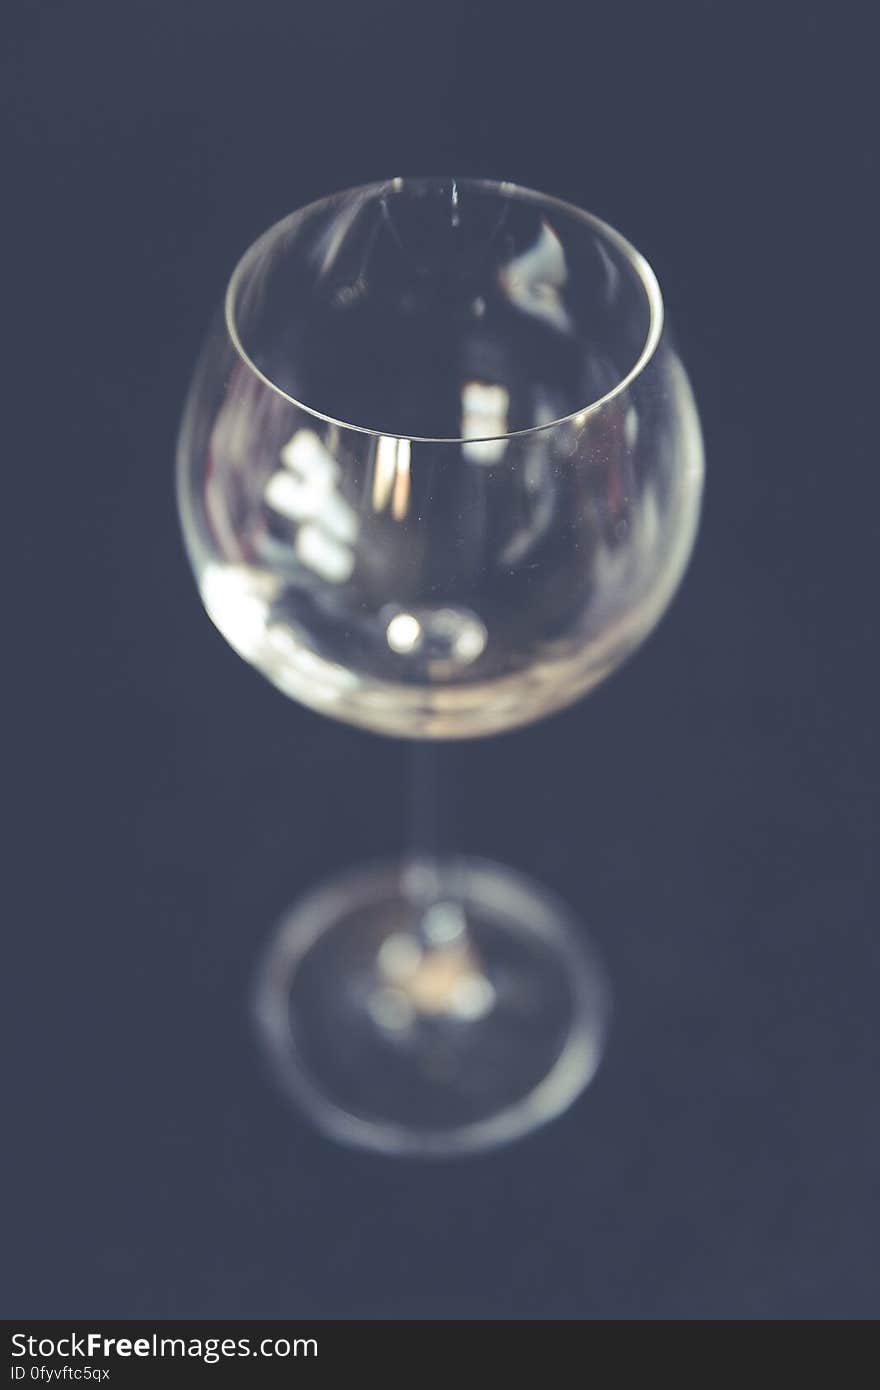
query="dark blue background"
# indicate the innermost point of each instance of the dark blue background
(708, 812)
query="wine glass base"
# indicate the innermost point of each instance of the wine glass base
(431, 1009)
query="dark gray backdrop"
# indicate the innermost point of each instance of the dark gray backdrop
(708, 812)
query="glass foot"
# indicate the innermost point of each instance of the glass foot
(432, 1008)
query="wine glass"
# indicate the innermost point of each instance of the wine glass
(439, 474)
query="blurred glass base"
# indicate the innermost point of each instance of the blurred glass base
(432, 1007)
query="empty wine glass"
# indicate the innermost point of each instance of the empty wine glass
(439, 474)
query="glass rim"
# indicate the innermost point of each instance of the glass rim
(634, 258)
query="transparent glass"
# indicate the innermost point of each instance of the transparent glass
(439, 474)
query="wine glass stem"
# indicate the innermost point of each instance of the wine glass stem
(451, 979)
(439, 911)
(426, 813)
